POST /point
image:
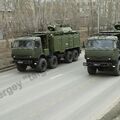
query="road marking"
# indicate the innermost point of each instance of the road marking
(57, 76)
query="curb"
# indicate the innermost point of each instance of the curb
(113, 113)
(10, 67)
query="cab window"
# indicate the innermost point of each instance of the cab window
(37, 44)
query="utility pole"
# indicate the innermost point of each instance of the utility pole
(91, 16)
(98, 4)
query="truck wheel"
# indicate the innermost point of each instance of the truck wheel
(68, 57)
(75, 55)
(21, 68)
(42, 65)
(91, 70)
(33, 66)
(117, 69)
(100, 69)
(52, 62)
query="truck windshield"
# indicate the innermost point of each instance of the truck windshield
(23, 44)
(100, 44)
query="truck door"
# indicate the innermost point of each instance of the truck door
(38, 48)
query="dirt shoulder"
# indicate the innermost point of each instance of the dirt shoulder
(5, 54)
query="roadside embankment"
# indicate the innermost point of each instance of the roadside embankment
(113, 114)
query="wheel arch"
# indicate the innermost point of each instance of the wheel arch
(77, 48)
(43, 56)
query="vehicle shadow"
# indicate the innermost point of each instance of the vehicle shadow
(105, 74)
(60, 64)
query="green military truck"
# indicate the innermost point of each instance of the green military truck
(44, 49)
(102, 52)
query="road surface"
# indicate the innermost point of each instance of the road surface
(64, 93)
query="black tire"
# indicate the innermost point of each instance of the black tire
(42, 65)
(33, 66)
(68, 57)
(91, 70)
(52, 62)
(100, 69)
(117, 69)
(75, 55)
(21, 68)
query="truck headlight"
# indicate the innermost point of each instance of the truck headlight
(88, 58)
(109, 58)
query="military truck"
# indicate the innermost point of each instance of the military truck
(45, 49)
(102, 52)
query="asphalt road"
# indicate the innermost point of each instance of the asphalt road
(64, 93)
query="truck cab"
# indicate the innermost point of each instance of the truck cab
(102, 53)
(25, 51)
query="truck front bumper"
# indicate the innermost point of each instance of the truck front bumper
(25, 61)
(100, 63)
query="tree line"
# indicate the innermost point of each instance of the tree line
(21, 17)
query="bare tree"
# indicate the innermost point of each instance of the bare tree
(35, 15)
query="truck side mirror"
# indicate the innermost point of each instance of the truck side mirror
(118, 45)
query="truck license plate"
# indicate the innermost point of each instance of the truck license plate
(96, 64)
(20, 62)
